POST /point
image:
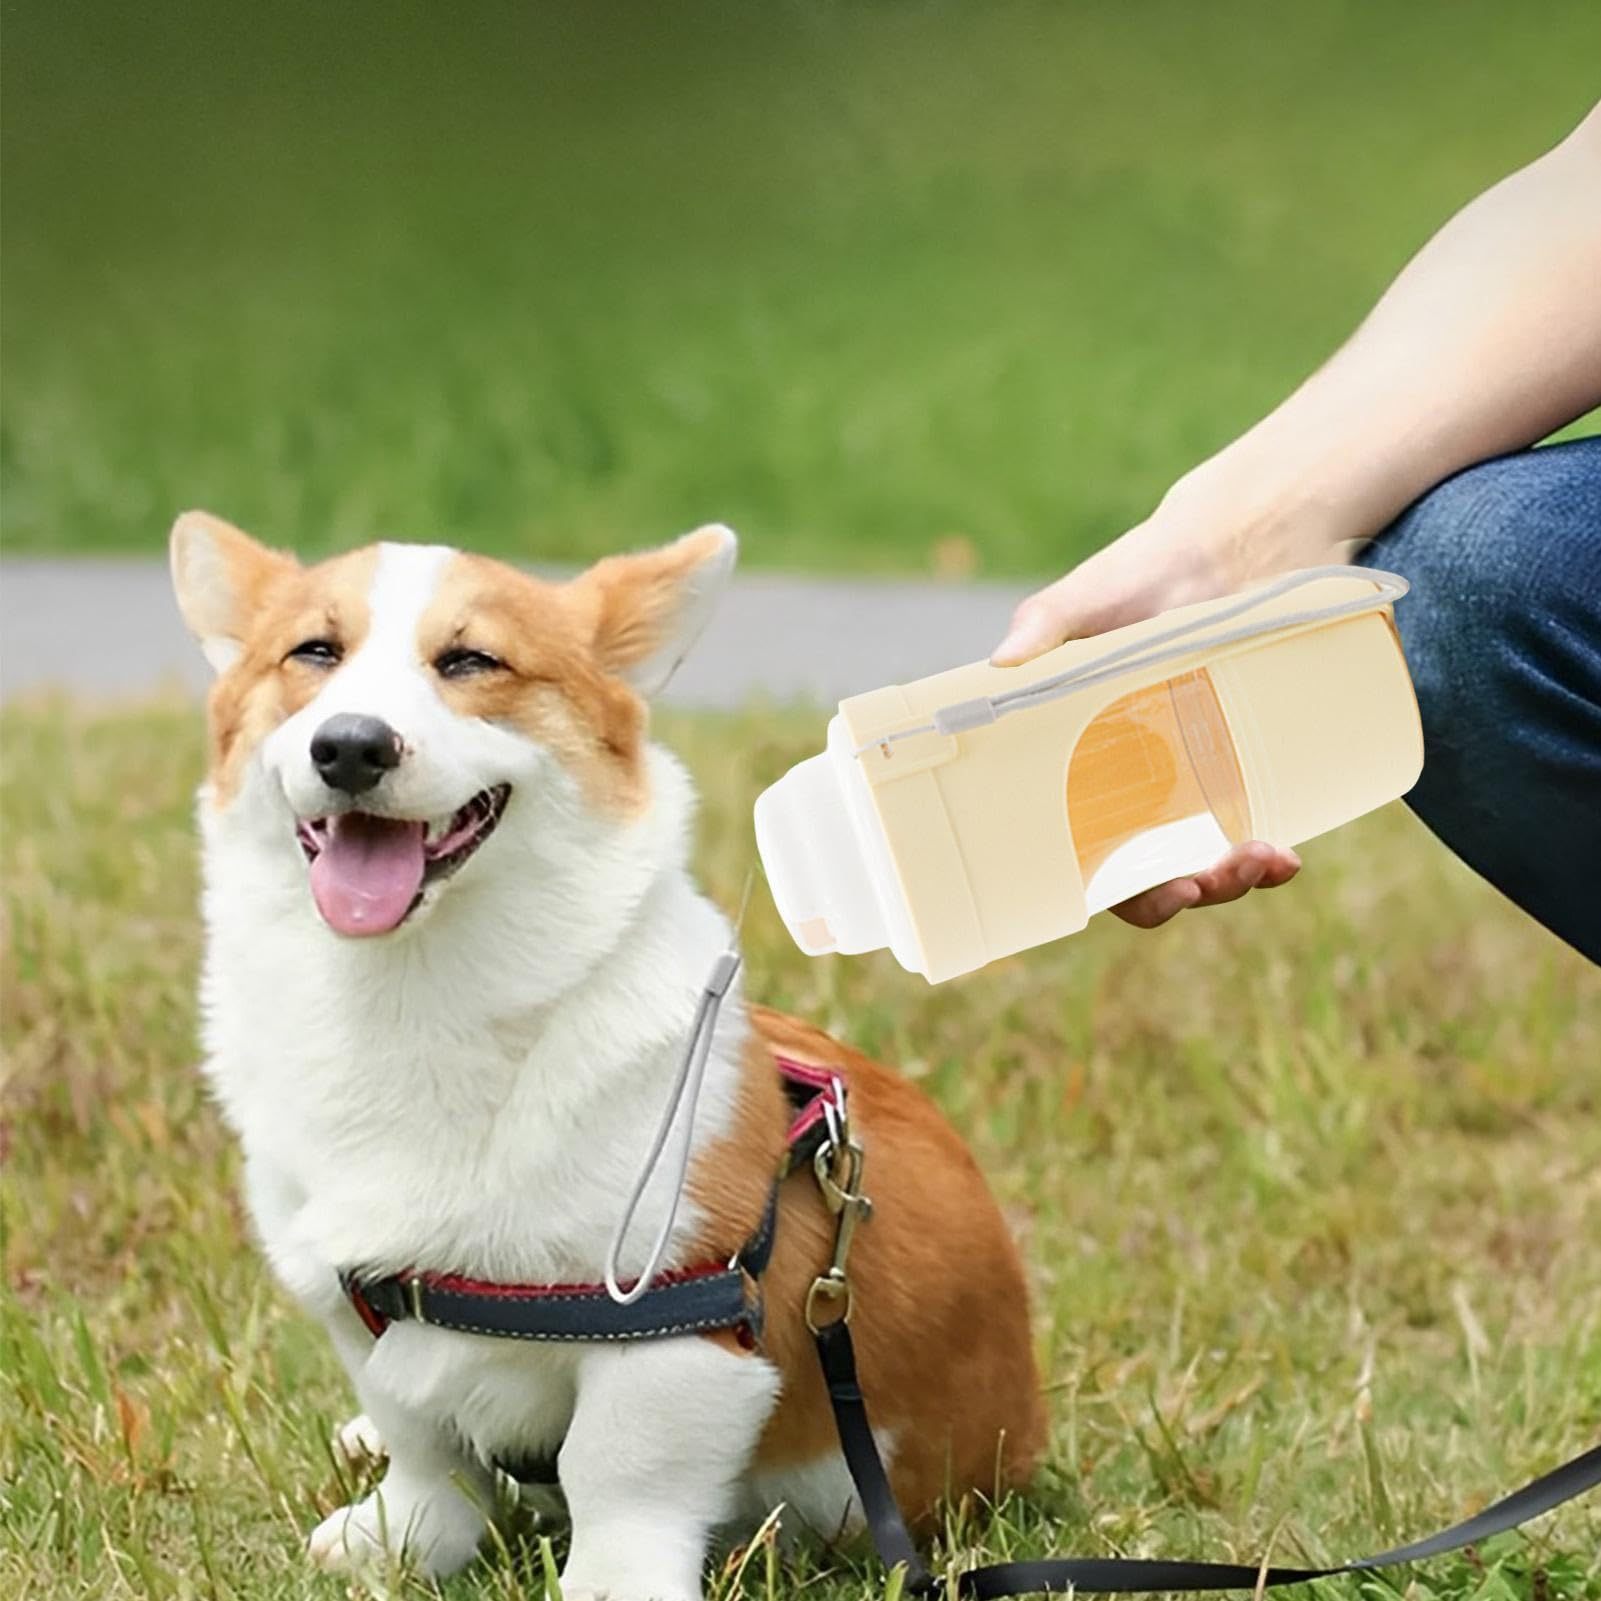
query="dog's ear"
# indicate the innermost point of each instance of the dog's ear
(643, 612)
(217, 572)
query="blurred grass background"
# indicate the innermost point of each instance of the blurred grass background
(855, 278)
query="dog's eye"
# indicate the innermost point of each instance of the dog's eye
(317, 652)
(461, 663)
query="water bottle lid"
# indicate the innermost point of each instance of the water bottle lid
(821, 880)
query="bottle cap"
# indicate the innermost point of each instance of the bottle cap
(820, 877)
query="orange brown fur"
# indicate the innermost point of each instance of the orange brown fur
(628, 602)
(553, 691)
(285, 604)
(940, 1321)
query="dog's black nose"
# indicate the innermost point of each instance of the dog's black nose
(353, 752)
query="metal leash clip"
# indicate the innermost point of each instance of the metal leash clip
(838, 1168)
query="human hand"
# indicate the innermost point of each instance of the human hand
(1187, 551)
(1254, 865)
(1232, 521)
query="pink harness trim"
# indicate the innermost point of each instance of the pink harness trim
(822, 1081)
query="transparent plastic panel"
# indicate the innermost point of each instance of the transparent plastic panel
(1154, 789)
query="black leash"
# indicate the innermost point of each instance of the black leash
(1129, 1576)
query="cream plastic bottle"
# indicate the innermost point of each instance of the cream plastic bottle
(984, 810)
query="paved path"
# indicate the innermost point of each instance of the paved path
(108, 628)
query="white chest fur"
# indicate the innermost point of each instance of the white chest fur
(454, 1100)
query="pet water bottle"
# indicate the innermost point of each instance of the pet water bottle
(983, 810)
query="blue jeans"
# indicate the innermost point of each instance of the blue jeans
(1502, 632)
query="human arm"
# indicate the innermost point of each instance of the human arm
(1488, 339)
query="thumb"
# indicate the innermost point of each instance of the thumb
(1038, 625)
(1142, 573)
(1088, 600)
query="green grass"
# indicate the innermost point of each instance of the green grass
(558, 279)
(1309, 1191)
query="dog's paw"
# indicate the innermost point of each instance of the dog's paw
(359, 1443)
(350, 1538)
(440, 1534)
(634, 1592)
(632, 1581)
(640, 1562)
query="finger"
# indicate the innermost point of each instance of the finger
(1284, 866)
(1241, 870)
(1220, 885)
(1037, 626)
(1275, 865)
(1254, 865)
(1074, 607)
(1153, 907)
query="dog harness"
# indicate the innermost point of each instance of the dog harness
(720, 1294)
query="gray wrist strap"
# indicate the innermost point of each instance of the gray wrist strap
(1183, 639)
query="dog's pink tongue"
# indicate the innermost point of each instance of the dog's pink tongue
(367, 873)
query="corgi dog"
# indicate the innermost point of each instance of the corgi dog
(453, 949)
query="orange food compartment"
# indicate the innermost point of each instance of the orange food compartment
(1156, 756)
